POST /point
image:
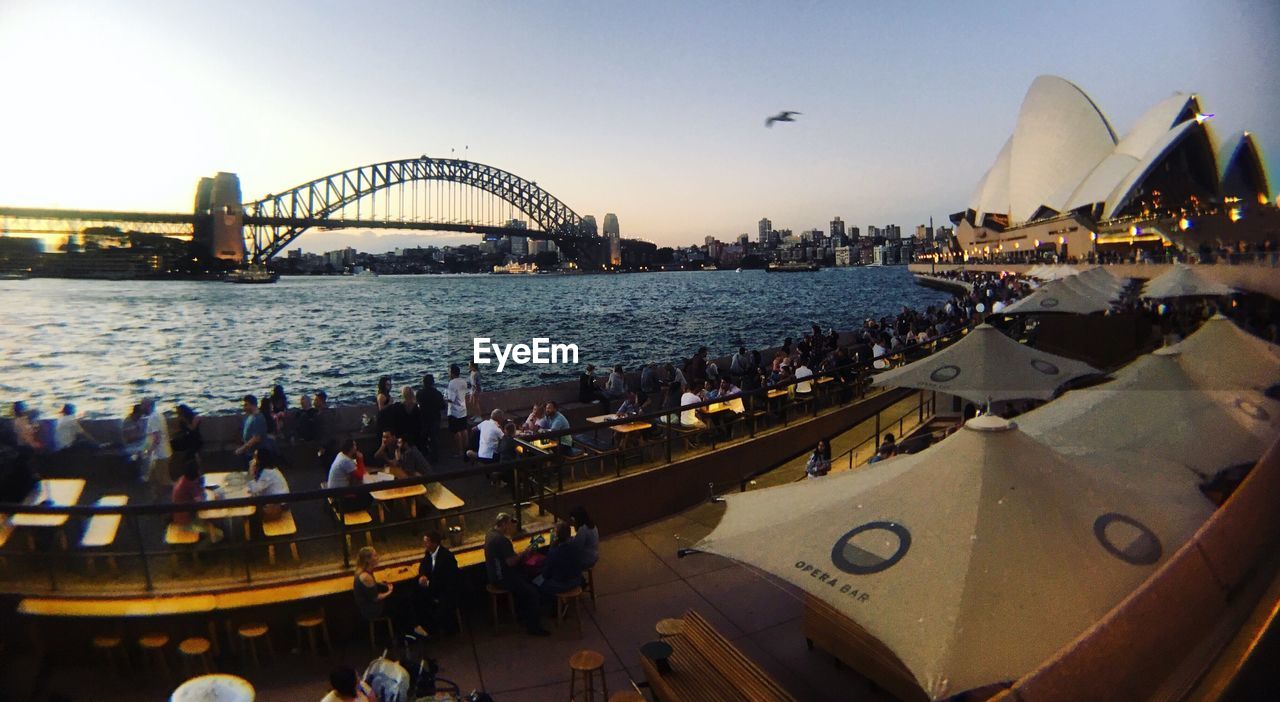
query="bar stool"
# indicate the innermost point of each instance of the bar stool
(391, 632)
(109, 648)
(566, 599)
(627, 696)
(152, 647)
(669, 627)
(587, 663)
(494, 593)
(250, 634)
(193, 650)
(310, 623)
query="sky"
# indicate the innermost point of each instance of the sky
(651, 110)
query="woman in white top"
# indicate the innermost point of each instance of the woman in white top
(473, 390)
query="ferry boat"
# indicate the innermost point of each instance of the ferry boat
(792, 267)
(253, 275)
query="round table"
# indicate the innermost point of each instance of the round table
(214, 688)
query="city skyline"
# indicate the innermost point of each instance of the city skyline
(654, 113)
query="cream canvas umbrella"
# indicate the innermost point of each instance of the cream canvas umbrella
(1156, 408)
(1183, 281)
(1058, 297)
(987, 366)
(1221, 356)
(1107, 287)
(973, 560)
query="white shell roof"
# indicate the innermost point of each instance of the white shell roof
(993, 191)
(1120, 195)
(1060, 136)
(1155, 123)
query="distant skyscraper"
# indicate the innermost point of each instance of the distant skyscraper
(893, 231)
(743, 240)
(837, 231)
(614, 235)
(611, 225)
(854, 233)
(589, 225)
(766, 227)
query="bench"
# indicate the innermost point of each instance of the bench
(443, 500)
(829, 630)
(282, 525)
(101, 529)
(183, 535)
(706, 666)
(354, 518)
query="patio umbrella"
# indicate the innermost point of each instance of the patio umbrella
(987, 366)
(1221, 356)
(1156, 408)
(1183, 281)
(973, 560)
(1058, 297)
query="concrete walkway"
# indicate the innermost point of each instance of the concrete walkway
(639, 580)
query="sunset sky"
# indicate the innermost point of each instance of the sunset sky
(651, 110)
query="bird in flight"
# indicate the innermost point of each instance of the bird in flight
(784, 116)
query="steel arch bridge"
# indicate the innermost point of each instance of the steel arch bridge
(276, 220)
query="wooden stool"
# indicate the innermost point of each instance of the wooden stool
(109, 648)
(669, 627)
(196, 649)
(590, 587)
(152, 646)
(249, 636)
(391, 632)
(494, 593)
(309, 623)
(566, 599)
(588, 663)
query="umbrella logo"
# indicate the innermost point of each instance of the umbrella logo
(862, 550)
(1251, 409)
(1044, 366)
(1127, 539)
(945, 373)
(1049, 302)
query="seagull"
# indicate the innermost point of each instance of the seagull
(784, 116)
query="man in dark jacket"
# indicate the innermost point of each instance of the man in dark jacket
(431, 405)
(438, 587)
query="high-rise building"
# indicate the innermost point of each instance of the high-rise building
(611, 225)
(854, 233)
(743, 240)
(893, 231)
(589, 226)
(519, 245)
(837, 231)
(766, 227)
(614, 235)
(924, 233)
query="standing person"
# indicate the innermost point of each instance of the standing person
(473, 390)
(649, 385)
(455, 395)
(615, 387)
(306, 423)
(587, 536)
(491, 433)
(502, 566)
(819, 461)
(406, 417)
(738, 365)
(384, 388)
(253, 431)
(439, 585)
(156, 449)
(588, 392)
(279, 409)
(433, 408)
(187, 441)
(68, 432)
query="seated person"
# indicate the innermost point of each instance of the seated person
(345, 472)
(374, 598)
(502, 565)
(554, 421)
(507, 445)
(265, 478)
(439, 585)
(616, 386)
(804, 387)
(533, 423)
(68, 432)
(562, 571)
(629, 406)
(587, 537)
(689, 417)
(348, 687)
(189, 490)
(133, 433)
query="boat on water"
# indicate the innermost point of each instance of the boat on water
(792, 267)
(21, 275)
(253, 275)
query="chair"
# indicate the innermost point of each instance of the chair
(588, 664)
(590, 586)
(110, 648)
(565, 600)
(153, 653)
(495, 592)
(196, 650)
(313, 625)
(250, 634)
(282, 525)
(358, 517)
(182, 535)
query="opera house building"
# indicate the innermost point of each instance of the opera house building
(1064, 183)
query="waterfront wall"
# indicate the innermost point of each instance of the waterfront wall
(1258, 278)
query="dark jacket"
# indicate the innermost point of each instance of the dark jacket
(443, 580)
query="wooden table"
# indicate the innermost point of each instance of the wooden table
(60, 492)
(231, 486)
(404, 492)
(625, 432)
(543, 446)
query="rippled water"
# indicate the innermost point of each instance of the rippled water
(102, 344)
